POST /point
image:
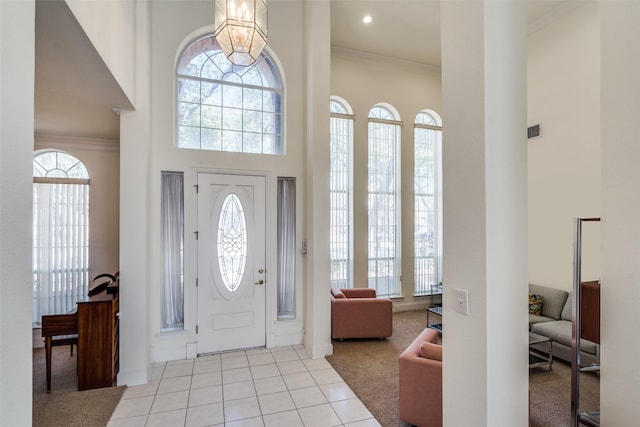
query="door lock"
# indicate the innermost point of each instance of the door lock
(259, 282)
(261, 271)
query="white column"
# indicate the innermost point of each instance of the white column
(317, 28)
(135, 143)
(17, 55)
(485, 371)
(620, 293)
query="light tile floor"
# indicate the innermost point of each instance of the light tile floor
(279, 387)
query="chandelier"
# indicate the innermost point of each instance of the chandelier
(240, 28)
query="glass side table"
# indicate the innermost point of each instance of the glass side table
(435, 310)
(537, 357)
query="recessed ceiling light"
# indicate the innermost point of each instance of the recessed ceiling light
(367, 19)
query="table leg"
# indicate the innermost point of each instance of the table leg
(47, 347)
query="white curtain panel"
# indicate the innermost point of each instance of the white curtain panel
(286, 247)
(60, 247)
(172, 223)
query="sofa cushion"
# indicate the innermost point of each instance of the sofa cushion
(560, 332)
(535, 304)
(429, 350)
(337, 293)
(533, 319)
(566, 310)
(552, 300)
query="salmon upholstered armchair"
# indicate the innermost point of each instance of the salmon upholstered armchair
(421, 381)
(357, 313)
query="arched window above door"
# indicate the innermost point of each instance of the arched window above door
(225, 107)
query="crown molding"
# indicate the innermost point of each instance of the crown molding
(42, 141)
(370, 57)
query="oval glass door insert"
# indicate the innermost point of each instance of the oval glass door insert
(232, 242)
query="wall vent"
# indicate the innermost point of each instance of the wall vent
(533, 131)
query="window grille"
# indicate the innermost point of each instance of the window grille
(427, 192)
(341, 195)
(225, 107)
(384, 202)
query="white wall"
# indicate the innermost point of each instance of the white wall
(620, 53)
(364, 81)
(17, 51)
(135, 144)
(102, 160)
(564, 162)
(111, 27)
(317, 29)
(173, 25)
(485, 213)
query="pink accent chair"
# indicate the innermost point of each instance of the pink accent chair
(357, 313)
(421, 381)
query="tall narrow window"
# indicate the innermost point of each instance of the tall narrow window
(172, 236)
(428, 206)
(341, 194)
(225, 107)
(60, 233)
(384, 201)
(286, 247)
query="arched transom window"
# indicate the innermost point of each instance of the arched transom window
(225, 107)
(57, 164)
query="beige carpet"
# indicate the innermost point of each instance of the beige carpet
(370, 367)
(551, 395)
(66, 406)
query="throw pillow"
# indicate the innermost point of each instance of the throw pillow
(429, 350)
(535, 304)
(337, 293)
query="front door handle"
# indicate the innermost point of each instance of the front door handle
(259, 282)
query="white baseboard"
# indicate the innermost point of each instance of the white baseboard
(132, 378)
(410, 306)
(320, 351)
(192, 350)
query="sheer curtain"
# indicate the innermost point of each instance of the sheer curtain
(60, 247)
(286, 247)
(172, 220)
(384, 207)
(341, 197)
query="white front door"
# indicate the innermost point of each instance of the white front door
(231, 262)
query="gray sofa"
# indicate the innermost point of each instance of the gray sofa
(555, 323)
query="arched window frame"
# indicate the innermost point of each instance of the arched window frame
(427, 203)
(384, 211)
(52, 165)
(341, 193)
(60, 232)
(225, 107)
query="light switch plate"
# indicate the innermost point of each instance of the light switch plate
(462, 301)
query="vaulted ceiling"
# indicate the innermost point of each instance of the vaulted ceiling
(75, 93)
